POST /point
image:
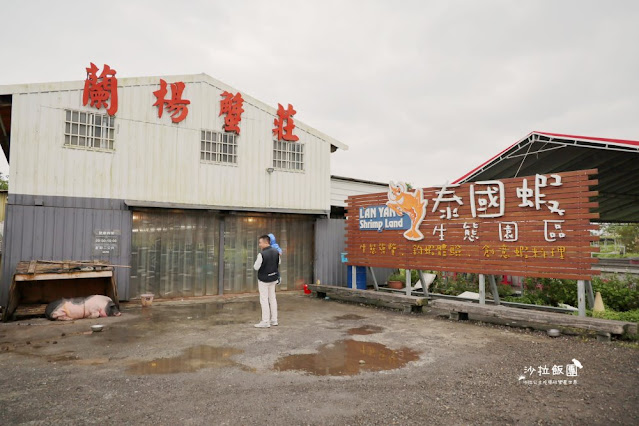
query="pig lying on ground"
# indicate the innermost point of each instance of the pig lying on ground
(81, 307)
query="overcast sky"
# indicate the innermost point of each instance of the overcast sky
(421, 91)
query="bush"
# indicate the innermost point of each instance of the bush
(401, 276)
(455, 286)
(504, 290)
(397, 277)
(618, 293)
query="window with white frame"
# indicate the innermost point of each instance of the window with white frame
(89, 130)
(288, 155)
(218, 147)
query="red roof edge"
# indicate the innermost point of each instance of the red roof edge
(590, 138)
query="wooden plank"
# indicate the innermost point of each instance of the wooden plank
(72, 275)
(31, 310)
(32, 267)
(12, 303)
(547, 318)
(366, 296)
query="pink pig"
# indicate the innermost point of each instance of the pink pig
(80, 307)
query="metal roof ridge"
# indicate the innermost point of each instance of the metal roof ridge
(559, 135)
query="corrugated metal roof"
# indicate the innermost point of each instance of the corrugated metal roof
(543, 152)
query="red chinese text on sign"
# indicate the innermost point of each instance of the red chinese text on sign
(102, 90)
(176, 105)
(231, 105)
(284, 125)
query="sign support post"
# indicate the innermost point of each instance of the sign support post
(493, 287)
(581, 297)
(482, 289)
(590, 295)
(353, 276)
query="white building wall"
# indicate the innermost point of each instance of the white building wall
(341, 189)
(158, 161)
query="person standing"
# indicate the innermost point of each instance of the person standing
(267, 266)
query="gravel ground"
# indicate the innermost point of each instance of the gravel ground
(202, 362)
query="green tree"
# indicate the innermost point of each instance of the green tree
(628, 234)
(4, 181)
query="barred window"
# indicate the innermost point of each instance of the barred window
(218, 147)
(89, 130)
(288, 155)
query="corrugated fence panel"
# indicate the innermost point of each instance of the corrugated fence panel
(52, 232)
(330, 235)
(329, 244)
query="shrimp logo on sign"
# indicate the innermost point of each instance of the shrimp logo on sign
(411, 203)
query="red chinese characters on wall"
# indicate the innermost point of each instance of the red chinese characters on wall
(284, 124)
(102, 90)
(176, 105)
(231, 105)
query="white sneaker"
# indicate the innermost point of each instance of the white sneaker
(274, 323)
(262, 325)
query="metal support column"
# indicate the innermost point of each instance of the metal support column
(422, 278)
(589, 294)
(581, 297)
(220, 262)
(408, 286)
(482, 289)
(353, 276)
(493, 288)
(370, 268)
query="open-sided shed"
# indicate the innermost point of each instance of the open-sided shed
(543, 153)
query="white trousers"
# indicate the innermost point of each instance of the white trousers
(268, 301)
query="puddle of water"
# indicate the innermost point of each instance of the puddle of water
(343, 359)
(192, 359)
(349, 317)
(366, 329)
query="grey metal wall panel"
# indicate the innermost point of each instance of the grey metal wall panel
(329, 244)
(62, 229)
(330, 237)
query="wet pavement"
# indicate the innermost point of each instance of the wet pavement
(201, 361)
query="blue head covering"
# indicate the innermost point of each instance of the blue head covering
(274, 243)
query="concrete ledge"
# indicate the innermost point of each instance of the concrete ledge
(389, 300)
(601, 326)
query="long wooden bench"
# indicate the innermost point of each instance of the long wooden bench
(603, 327)
(389, 300)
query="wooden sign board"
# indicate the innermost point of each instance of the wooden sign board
(535, 226)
